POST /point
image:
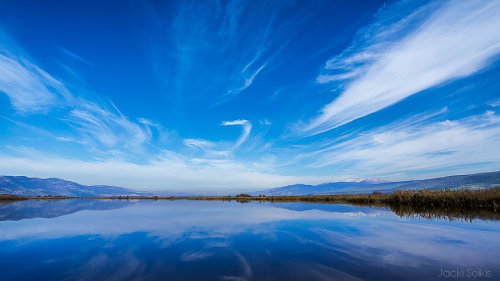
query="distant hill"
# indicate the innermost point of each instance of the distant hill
(472, 181)
(26, 186)
(324, 188)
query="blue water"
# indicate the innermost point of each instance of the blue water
(208, 240)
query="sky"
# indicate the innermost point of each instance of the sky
(243, 95)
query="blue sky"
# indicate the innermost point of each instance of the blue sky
(248, 95)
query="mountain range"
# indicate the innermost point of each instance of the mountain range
(471, 181)
(26, 186)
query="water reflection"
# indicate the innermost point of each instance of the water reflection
(209, 240)
(448, 213)
(27, 209)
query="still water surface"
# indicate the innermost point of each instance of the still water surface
(208, 240)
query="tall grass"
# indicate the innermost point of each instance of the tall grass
(8, 197)
(430, 204)
(458, 199)
(479, 199)
(464, 199)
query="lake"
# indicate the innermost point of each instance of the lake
(84, 239)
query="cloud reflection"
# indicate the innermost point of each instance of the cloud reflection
(232, 241)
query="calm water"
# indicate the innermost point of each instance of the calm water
(208, 240)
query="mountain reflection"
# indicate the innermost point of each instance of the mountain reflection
(27, 209)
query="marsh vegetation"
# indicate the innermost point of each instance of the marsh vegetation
(485, 198)
(450, 204)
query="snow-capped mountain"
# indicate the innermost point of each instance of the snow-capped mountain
(483, 180)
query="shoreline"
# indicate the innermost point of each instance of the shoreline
(467, 199)
(451, 205)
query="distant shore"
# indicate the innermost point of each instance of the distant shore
(429, 204)
(475, 199)
(8, 197)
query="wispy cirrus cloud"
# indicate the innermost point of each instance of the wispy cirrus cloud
(413, 146)
(390, 61)
(217, 50)
(113, 138)
(107, 127)
(247, 127)
(73, 55)
(32, 90)
(29, 88)
(209, 149)
(164, 171)
(251, 143)
(209, 53)
(248, 76)
(199, 143)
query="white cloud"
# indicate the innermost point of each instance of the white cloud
(428, 149)
(34, 91)
(454, 41)
(73, 55)
(29, 88)
(199, 143)
(215, 37)
(167, 171)
(109, 128)
(247, 127)
(457, 39)
(248, 76)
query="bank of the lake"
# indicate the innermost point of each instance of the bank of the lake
(465, 199)
(448, 204)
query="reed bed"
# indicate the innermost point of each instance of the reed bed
(461, 199)
(8, 197)
(428, 204)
